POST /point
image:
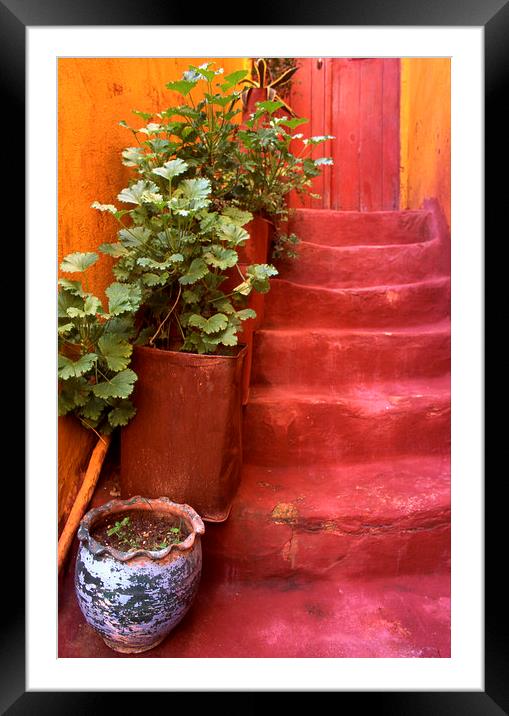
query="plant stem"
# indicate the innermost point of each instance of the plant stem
(151, 340)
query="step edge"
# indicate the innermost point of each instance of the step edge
(436, 281)
(435, 239)
(442, 327)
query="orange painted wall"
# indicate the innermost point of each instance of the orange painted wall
(94, 94)
(425, 118)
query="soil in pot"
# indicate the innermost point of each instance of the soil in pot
(132, 530)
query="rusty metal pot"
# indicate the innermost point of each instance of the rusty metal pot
(185, 441)
(256, 250)
(134, 599)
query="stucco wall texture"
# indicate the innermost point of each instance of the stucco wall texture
(94, 95)
(425, 120)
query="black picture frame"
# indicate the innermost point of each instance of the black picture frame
(493, 15)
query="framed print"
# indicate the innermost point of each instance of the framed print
(69, 64)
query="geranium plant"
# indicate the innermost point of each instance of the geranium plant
(272, 167)
(178, 251)
(95, 349)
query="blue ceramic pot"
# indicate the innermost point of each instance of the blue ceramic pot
(134, 599)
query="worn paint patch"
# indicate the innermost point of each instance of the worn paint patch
(285, 513)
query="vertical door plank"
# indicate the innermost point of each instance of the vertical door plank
(300, 102)
(317, 124)
(327, 171)
(345, 146)
(370, 164)
(391, 138)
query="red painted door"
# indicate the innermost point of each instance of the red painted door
(356, 101)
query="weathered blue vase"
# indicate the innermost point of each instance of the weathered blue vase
(134, 599)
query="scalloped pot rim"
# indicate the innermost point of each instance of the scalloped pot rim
(162, 504)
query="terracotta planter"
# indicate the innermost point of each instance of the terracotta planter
(256, 301)
(134, 599)
(185, 441)
(259, 94)
(256, 250)
(251, 96)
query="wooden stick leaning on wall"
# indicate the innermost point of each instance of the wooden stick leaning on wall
(83, 498)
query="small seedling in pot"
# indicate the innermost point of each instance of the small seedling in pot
(118, 526)
(174, 538)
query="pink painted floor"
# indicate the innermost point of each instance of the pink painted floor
(398, 617)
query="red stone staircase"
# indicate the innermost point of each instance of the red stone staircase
(338, 543)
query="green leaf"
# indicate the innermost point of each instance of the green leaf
(233, 78)
(229, 336)
(219, 100)
(196, 191)
(231, 233)
(123, 297)
(151, 263)
(268, 106)
(220, 257)
(151, 128)
(78, 261)
(120, 386)
(121, 326)
(73, 393)
(122, 414)
(155, 279)
(116, 250)
(293, 123)
(104, 207)
(133, 156)
(259, 275)
(67, 300)
(65, 328)
(171, 169)
(237, 216)
(135, 236)
(116, 351)
(203, 72)
(183, 87)
(190, 296)
(90, 307)
(211, 325)
(224, 305)
(93, 408)
(134, 194)
(68, 368)
(245, 314)
(318, 139)
(74, 287)
(244, 288)
(196, 271)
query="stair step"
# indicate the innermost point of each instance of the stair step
(328, 357)
(305, 426)
(386, 518)
(291, 305)
(354, 266)
(353, 228)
